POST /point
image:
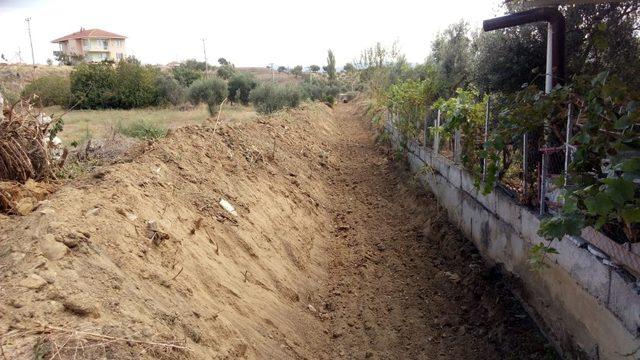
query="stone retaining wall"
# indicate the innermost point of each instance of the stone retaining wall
(587, 306)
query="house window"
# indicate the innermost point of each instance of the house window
(85, 44)
(104, 43)
(119, 56)
(117, 43)
(103, 56)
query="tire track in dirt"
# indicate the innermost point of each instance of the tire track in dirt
(402, 282)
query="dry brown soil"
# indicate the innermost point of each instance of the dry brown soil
(335, 253)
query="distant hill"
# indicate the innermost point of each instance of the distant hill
(264, 74)
(13, 78)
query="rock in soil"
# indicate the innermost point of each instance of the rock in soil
(52, 249)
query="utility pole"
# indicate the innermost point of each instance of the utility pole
(206, 64)
(33, 59)
(273, 79)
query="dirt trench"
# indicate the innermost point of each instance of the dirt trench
(334, 252)
(403, 282)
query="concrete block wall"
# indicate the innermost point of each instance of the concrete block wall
(587, 308)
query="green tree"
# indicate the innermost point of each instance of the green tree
(211, 91)
(269, 97)
(168, 90)
(135, 85)
(314, 68)
(240, 86)
(451, 56)
(331, 66)
(188, 72)
(226, 71)
(297, 70)
(92, 85)
(348, 67)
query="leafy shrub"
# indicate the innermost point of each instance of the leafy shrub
(226, 71)
(330, 100)
(168, 90)
(188, 72)
(135, 85)
(269, 97)
(93, 85)
(10, 96)
(320, 90)
(240, 87)
(211, 91)
(127, 85)
(142, 129)
(51, 90)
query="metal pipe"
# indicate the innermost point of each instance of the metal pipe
(566, 144)
(556, 34)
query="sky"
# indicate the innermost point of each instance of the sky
(245, 32)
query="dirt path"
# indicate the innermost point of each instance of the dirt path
(403, 283)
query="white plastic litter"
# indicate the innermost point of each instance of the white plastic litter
(227, 206)
(43, 119)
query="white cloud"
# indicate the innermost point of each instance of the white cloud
(248, 33)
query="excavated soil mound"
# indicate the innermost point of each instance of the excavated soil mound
(330, 251)
(143, 250)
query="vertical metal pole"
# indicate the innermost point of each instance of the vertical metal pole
(566, 144)
(436, 138)
(525, 165)
(486, 137)
(548, 81)
(548, 85)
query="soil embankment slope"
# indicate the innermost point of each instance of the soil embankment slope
(143, 250)
(334, 253)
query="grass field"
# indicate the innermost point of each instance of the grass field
(81, 124)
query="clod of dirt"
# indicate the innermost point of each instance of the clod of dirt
(21, 199)
(81, 307)
(452, 276)
(33, 281)
(52, 249)
(73, 239)
(381, 247)
(155, 234)
(129, 215)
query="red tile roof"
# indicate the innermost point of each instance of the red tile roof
(89, 33)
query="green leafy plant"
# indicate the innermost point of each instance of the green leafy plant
(168, 90)
(142, 129)
(409, 100)
(50, 90)
(188, 72)
(604, 177)
(268, 97)
(240, 86)
(211, 91)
